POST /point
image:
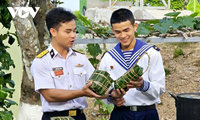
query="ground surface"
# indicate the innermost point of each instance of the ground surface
(184, 78)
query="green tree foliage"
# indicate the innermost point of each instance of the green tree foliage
(104, 110)
(169, 24)
(6, 83)
(177, 4)
(94, 50)
(83, 25)
(194, 6)
(174, 4)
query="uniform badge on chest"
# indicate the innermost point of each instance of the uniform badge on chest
(112, 68)
(58, 71)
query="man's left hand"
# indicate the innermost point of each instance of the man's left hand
(136, 84)
(118, 93)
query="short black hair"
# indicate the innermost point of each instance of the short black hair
(56, 16)
(122, 15)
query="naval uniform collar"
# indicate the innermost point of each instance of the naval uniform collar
(139, 50)
(54, 53)
(71, 52)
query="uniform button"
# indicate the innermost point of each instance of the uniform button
(80, 73)
(59, 76)
(68, 73)
(70, 85)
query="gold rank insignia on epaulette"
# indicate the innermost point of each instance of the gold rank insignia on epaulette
(42, 54)
(156, 48)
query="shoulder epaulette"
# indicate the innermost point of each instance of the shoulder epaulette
(42, 54)
(156, 48)
(77, 51)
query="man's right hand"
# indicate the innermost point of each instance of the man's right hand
(88, 92)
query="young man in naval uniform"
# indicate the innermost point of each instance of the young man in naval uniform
(139, 101)
(60, 73)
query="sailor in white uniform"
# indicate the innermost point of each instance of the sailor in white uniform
(139, 101)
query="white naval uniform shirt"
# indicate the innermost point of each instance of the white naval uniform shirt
(155, 75)
(73, 77)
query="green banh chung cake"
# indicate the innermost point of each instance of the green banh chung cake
(101, 80)
(132, 74)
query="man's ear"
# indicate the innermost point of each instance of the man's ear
(53, 32)
(135, 26)
(112, 29)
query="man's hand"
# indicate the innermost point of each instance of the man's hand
(136, 84)
(88, 92)
(117, 94)
(118, 101)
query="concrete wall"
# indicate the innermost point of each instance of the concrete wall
(105, 4)
(97, 14)
(104, 14)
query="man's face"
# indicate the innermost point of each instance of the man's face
(65, 36)
(124, 32)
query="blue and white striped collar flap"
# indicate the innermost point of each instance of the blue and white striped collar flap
(139, 50)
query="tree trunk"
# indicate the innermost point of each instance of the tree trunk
(39, 21)
(31, 45)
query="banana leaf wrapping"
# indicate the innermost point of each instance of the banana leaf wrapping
(101, 81)
(62, 118)
(132, 74)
